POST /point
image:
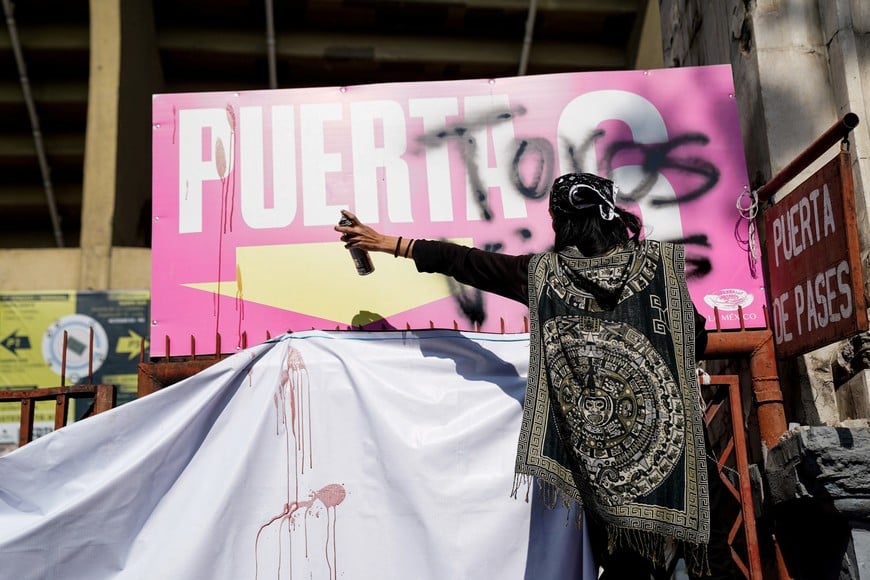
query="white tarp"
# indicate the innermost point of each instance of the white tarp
(352, 455)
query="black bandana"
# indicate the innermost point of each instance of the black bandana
(574, 192)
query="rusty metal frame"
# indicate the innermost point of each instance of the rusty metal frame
(734, 451)
(104, 396)
(155, 375)
(757, 345)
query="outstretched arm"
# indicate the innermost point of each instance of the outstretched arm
(363, 237)
(500, 274)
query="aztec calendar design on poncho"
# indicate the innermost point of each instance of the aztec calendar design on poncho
(623, 409)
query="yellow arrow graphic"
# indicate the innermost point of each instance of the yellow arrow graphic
(320, 280)
(130, 344)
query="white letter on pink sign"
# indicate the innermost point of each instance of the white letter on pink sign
(194, 167)
(434, 113)
(581, 118)
(367, 157)
(316, 163)
(496, 172)
(252, 163)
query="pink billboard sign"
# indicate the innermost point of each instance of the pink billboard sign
(247, 187)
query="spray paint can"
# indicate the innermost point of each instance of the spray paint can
(361, 258)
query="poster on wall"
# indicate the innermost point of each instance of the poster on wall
(32, 327)
(247, 187)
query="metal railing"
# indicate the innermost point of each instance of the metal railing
(103, 396)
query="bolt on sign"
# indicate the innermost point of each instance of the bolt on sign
(815, 280)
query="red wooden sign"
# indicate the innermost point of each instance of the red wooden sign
(815, 280)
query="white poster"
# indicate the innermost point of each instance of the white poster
(345, 455)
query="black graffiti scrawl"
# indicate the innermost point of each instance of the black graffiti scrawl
(533, 169)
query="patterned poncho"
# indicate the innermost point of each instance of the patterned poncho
(612, 415)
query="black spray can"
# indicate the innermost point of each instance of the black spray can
(361, 258)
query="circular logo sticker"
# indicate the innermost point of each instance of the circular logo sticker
(729, 299)
(78, 356)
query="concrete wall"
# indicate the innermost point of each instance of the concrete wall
(799, 66)
(846, 30)
(61, 269)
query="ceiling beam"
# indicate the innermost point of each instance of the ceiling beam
(33, 196)
(74, 37)
(22, 146)
(576, 6)
(304, 44)
(51, 93)
(394, 49)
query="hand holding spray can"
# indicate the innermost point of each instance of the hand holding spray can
(361, 258)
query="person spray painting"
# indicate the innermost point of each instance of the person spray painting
(612, 415)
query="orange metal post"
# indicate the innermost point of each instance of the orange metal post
(746, 505)
(758, 345)
(25, 432)
(104, 398)
(60, 411)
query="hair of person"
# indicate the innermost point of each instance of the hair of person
(592, 234)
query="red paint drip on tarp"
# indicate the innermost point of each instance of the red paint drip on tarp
(292, 401)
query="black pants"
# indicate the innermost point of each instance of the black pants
(626, 564)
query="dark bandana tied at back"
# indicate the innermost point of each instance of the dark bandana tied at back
(612, 417)
(575, 192)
